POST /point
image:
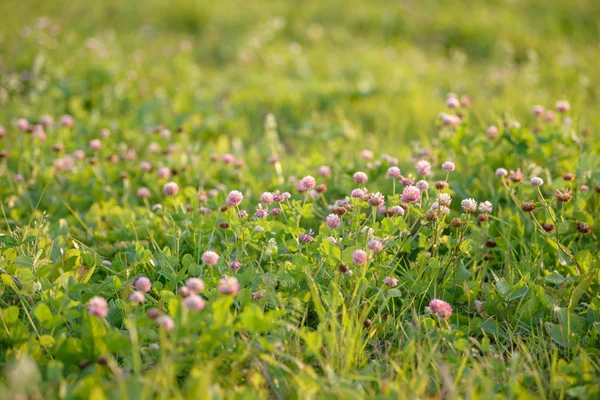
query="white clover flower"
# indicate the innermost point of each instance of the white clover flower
(536, 181)
(486, 207)
(469, 205)
(445, 199)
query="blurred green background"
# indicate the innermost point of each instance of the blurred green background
(372, 73)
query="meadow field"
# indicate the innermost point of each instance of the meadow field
(299, 199)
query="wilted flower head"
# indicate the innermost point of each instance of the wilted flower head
(393, 172)
(423, 167)
(440, 185)
(486, 207)
(548, 227)
(376, 199)
(234, 198)
(528, 206)
(536, 181)
(469, 205)
(229, 285)
(448, 166)
(171, 188)
(359, 257)
(332, 221)
(210, 257)
(389, 281)
(411, 194)
(516, 176)
(564, 195)
(98, 306)
(440, 308)
(583, 228)
(360, 177)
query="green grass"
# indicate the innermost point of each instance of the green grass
(338, 77)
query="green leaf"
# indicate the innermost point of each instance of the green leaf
(555, 277)
(194, 269)
(557, 333)
(580, 289)
(43, 314)
(9, 241)
(24, 262)
(116, 282)
(187, 260)
(54, 370)
(10, 314)
(465, 246)
(47, 340)
(253, 320)
(429, 323)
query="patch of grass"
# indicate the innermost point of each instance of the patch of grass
(127, 127)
